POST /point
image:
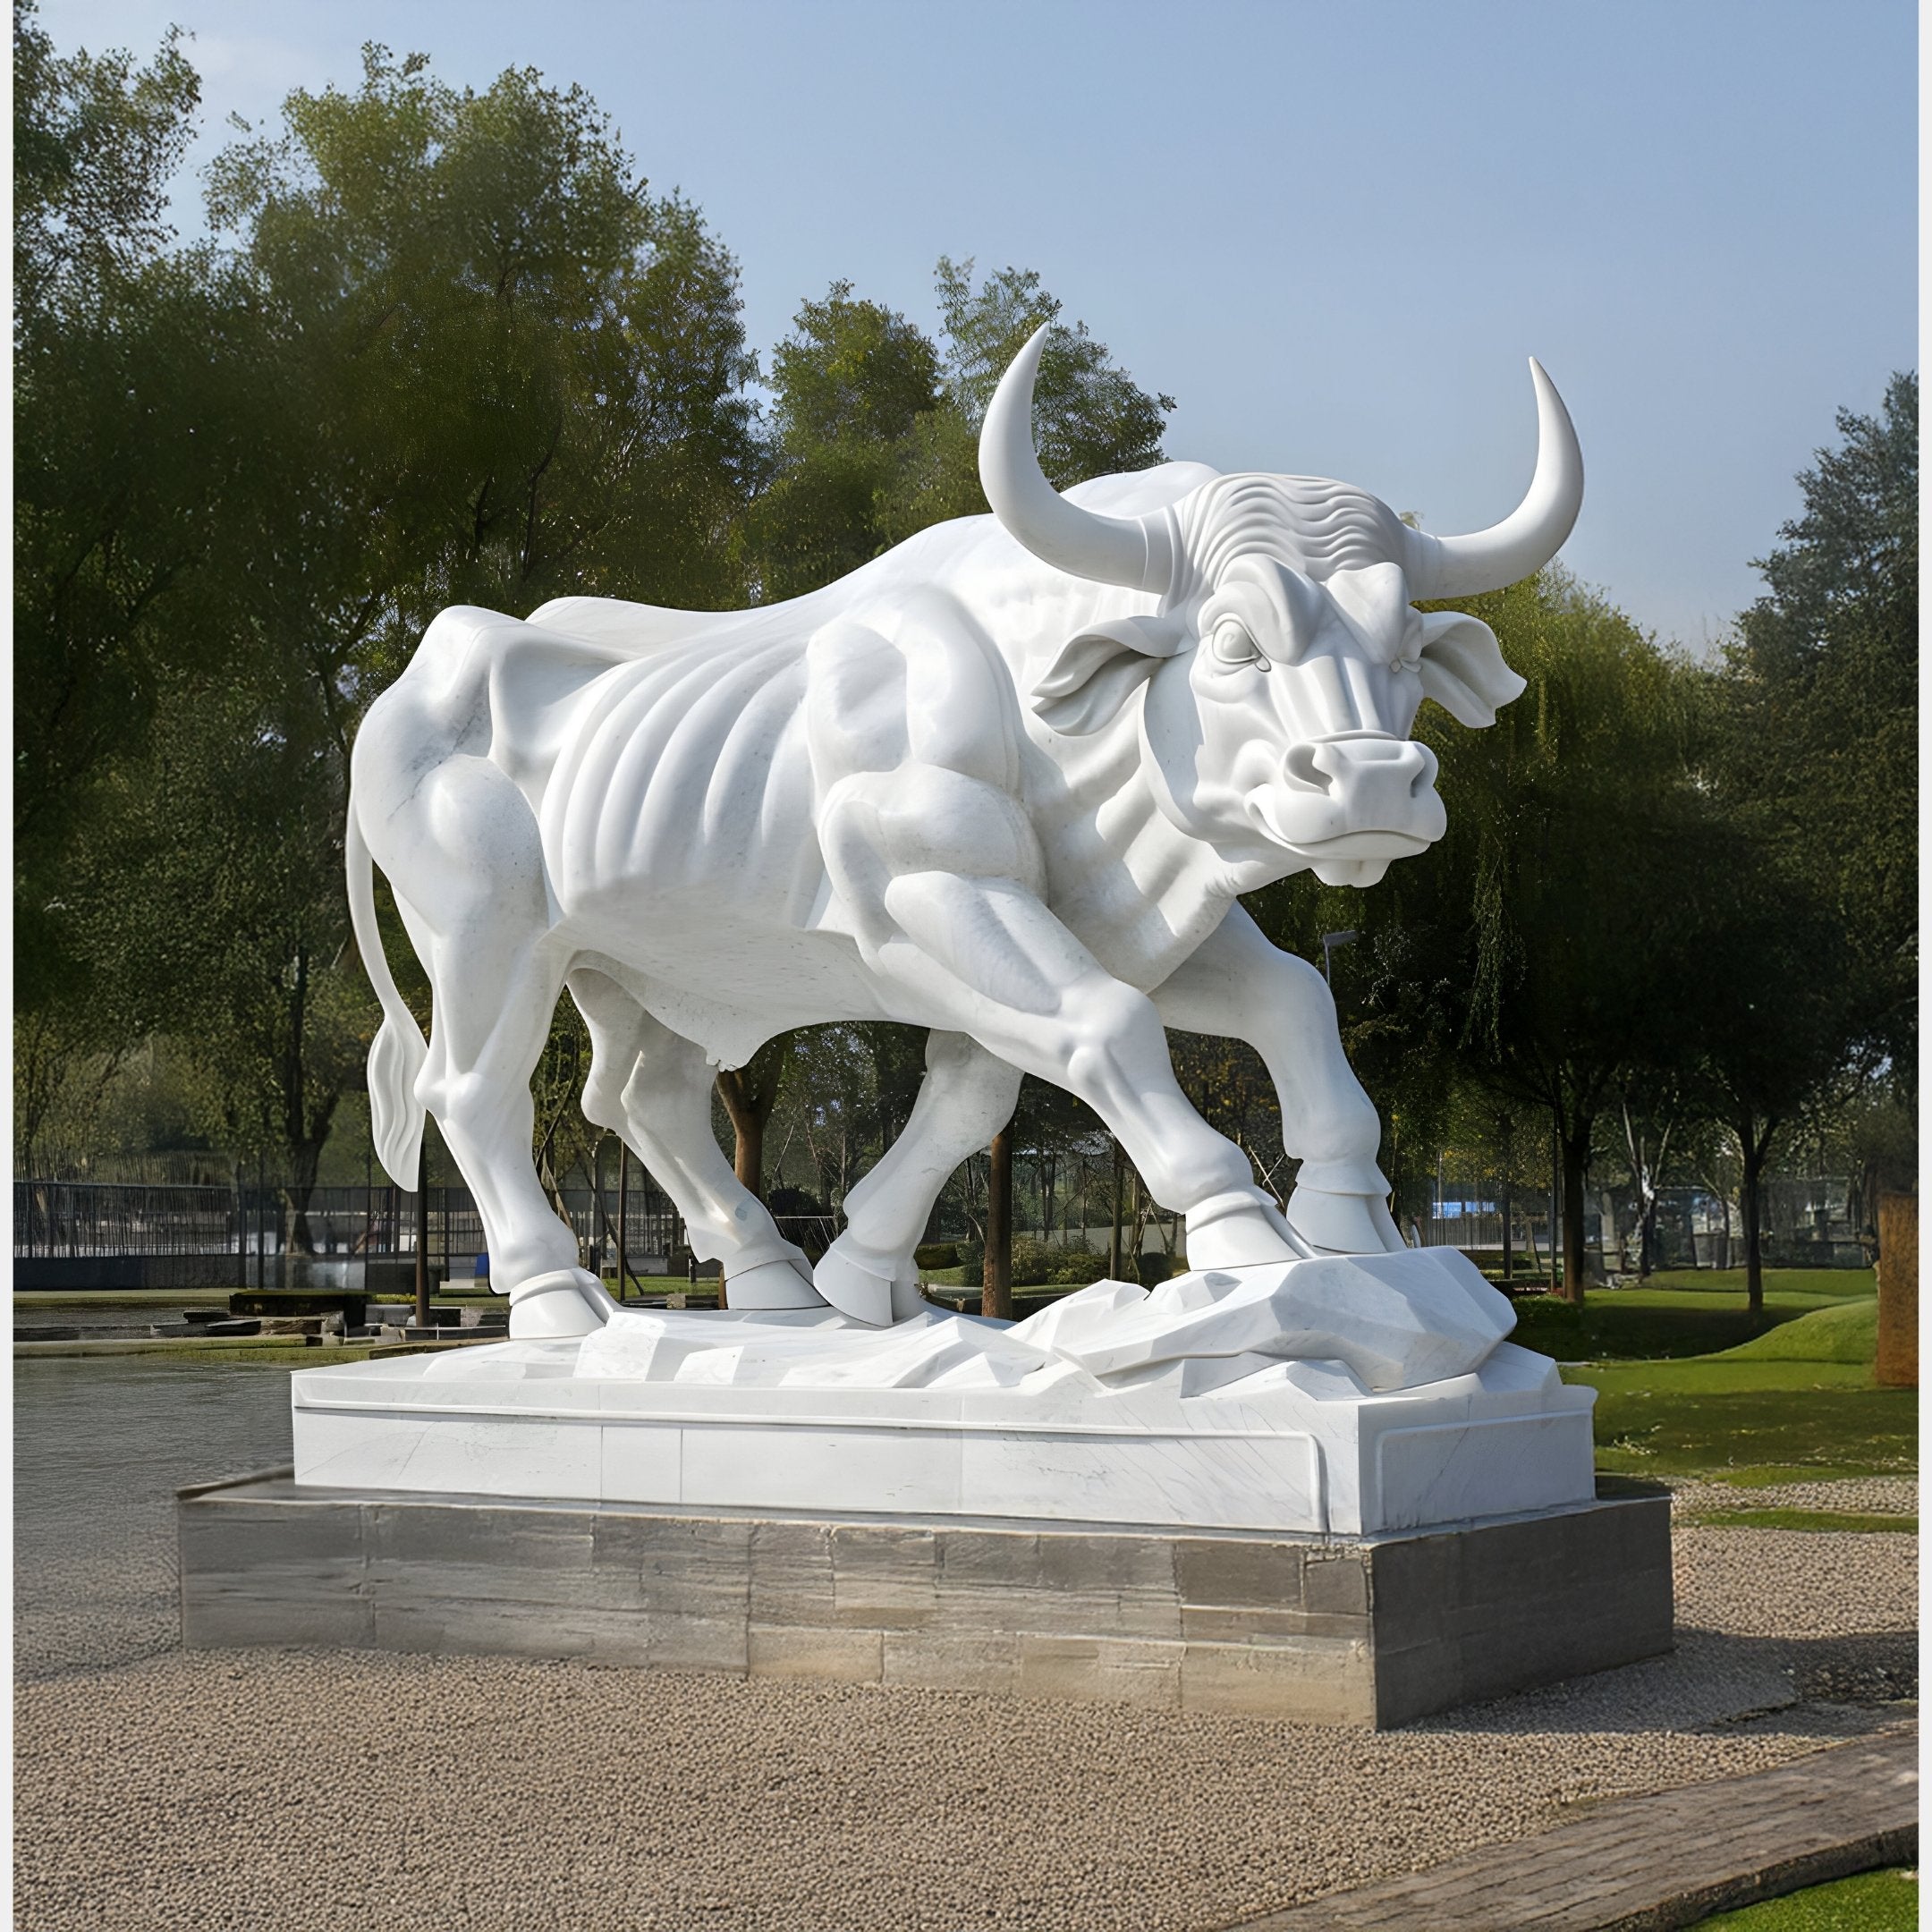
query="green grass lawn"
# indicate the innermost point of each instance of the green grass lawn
(1829, 1283)
(1808, 1520)
(1687, 1313)
(1793, 1401)
(1844, 1332)
(1873, 1901)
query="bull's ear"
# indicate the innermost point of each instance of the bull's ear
(1463, 668)
(1096, 671)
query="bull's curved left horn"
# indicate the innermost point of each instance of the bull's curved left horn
(1117, 550)
(1526, 539)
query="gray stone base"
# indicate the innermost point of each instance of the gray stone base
(1373, 1631)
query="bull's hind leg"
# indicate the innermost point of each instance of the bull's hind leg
(966, 1097)
(653, 1087)
(461, 848)
(492, 1008)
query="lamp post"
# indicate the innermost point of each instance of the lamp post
(1329, 942)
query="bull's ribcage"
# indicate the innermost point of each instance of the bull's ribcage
(685, 775)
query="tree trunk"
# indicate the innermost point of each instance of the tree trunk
(1508, 1246)
(422, 1233)
(750, 1094)
(623, 1216)
(1897, 1366)
(1575, 1162)
(1754, 1147)
(1114, 1239)
(1555, 1216)
(995, 1274)
(305, 1163)
(748, 1158)
(1138, 1237)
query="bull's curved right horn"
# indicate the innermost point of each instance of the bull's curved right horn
(1114, 550)
(1532, 533)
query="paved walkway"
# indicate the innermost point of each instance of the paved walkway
(1653, 1864)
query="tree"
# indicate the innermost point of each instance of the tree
(852, 384)
(1091, 418)
(506, 373)
(1811, 759)
(128, 419)
(445, 349)
(1824, 682)
(209, 899)
(875, 438)
(750, 1093)
(1540, 948)
(1774, 1014)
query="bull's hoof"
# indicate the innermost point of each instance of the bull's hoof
(772, 1284)
(1241, 1228)
(852, 1288)
(1343, 1224)
(565, 1302)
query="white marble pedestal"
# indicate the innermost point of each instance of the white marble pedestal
(1076, 1416)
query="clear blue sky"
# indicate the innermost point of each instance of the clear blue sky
(1333, 231)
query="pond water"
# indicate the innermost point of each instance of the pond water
(100, 1448)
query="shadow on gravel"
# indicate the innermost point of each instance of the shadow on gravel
(1714, 1678)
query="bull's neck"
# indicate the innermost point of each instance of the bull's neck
(1141, 893)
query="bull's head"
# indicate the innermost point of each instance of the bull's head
(1285, 662)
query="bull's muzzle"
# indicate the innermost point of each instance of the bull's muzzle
(1352, 802)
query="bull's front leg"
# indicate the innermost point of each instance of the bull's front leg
(1240, 986)
(944, 878)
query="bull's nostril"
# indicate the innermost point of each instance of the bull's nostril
(1302, 770)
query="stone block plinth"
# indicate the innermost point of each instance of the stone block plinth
(1368, 1630)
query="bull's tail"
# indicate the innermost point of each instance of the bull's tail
(398, 1051)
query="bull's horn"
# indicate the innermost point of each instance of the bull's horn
(1112, 550)
(1526, 539)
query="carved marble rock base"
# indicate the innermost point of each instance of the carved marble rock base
(1088, 1412)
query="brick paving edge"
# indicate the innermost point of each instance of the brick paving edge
(1866, 1851)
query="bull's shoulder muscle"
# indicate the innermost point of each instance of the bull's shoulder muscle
(855, 702)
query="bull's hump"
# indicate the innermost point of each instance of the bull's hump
(1137, 491)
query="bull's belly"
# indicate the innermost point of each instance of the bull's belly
(731, 987)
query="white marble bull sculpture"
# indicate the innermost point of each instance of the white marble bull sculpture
(1006, 781)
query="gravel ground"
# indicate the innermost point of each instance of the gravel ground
(314, 1791)
(1858, 1495)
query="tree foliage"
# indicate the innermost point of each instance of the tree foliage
(875, 425)
(1821, 755)
(444, 346)
(126, 433)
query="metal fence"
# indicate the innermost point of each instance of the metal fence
(1806, 1223)
(1803, 1222)
(59, 1218)
(249, 1223)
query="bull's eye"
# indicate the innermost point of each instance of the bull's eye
(1233, 646)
